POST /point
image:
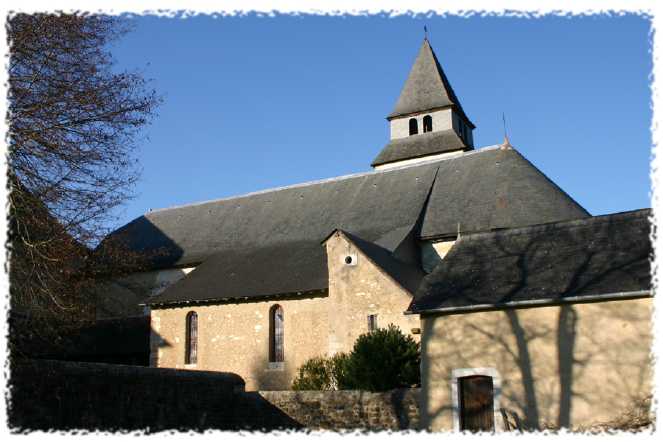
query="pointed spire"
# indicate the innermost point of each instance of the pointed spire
(426, 87)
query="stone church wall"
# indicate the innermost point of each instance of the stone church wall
(357, 291)
(234, 337)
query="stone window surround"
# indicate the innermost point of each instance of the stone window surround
(497, 393)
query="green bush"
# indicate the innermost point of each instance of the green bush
(381, 360)
(338, 368)
(313, 375)
(322, 374)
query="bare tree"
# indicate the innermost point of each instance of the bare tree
(74, 125)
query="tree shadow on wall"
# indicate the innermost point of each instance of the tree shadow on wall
(400, 409)
(536, 268)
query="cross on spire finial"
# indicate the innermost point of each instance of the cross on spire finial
(425, 33)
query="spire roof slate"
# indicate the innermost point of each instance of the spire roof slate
(426, 87)
(420, 145)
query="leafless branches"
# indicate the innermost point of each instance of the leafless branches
(74, 125)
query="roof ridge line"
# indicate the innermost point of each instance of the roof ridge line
(578, 222)
(553, 183)
(324, 180)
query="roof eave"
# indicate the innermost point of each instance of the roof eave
(260, 298)
(422, 157)
(534, 303)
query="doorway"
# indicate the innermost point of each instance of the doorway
(475, 400)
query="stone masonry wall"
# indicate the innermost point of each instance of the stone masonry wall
(59, 395)
(234, 337)
(344, 410)
(359, 290)
(574, 365)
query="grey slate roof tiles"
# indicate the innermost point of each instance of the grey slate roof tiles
(426, 87)
(596, 257)
(420, 145)
(253, 273)
(493, 189)
(372, 204)
(268, 243)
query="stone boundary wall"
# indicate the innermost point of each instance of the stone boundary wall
(48, 394)
(64, 395)
(350, 409)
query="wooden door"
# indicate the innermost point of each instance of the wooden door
(476, 403)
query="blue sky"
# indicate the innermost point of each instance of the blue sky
(252, 103)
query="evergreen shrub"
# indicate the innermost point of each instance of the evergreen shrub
(380, 360)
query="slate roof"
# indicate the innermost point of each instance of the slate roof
(573, 260)
(491, 189)
(244, 274)
(427, 87)
(268, 243)
(420, 145)
(382, 207)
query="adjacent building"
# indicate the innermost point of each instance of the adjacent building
(544, 326)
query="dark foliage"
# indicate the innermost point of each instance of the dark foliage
(323, 374)
(384, 359)
(313, 375)
(381, 360)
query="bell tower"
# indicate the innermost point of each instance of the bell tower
(428, 121)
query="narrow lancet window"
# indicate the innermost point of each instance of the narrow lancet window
(414, 129)
(276, 334)
(191, 353)
(428, 123)
(372, 322)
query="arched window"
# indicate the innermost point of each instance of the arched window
(413, 126)
(191, 351)
(428, 123)
(276, 334)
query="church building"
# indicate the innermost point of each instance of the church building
(258, 284)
